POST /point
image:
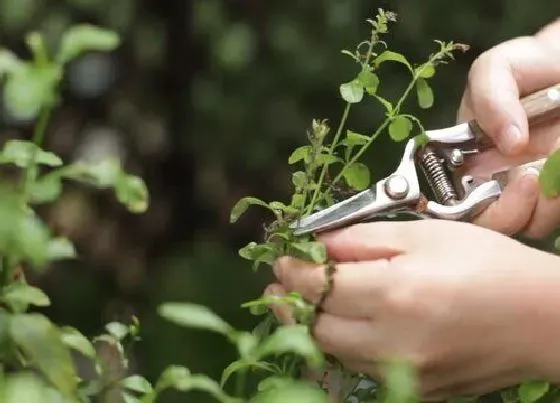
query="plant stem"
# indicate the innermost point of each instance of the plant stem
(38, 137)
(240, 383)
(341, 125)
(380, 129)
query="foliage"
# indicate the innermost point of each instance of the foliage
(37, 355)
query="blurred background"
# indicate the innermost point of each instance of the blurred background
(205, 99)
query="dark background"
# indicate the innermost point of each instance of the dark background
(205, 99)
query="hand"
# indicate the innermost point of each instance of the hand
(497, 79)
(467, 306)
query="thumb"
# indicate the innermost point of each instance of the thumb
(497, 81)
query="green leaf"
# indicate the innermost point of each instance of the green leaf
(295, 391)
(242, 205)
(20, 153)
(388, 106)
(84, 38)
(549, 177)
(426, 70)
(315, 251)
(31, 88)
(369, 81)
(352, 91)
(60, 249)
(400, 128)
(130, 398)
(327, 159)
(75, 340)
(294, 339)
(9, 62)
(101, 174)
(279, 206)
(31, 240)
(531, 391)
(401, 382)
(22, 387)
(24, 294)
(195, 316)
(246, 343)
(299, 179)
(45, 189)
(137, 383)
(389, 55)
(355, 139)
(253, 251)
(357, 176)
(42, 344)
(117, 329)
(424, 93)
(133, 193)
(300, 153)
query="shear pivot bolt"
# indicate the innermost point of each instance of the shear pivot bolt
(457, 157)
(396, 187)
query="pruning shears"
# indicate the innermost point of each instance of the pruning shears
(440, 155)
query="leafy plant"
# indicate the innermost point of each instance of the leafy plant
(37, 356)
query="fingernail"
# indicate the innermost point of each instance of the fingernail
(511, 138)
(277, 268)
(529, 177)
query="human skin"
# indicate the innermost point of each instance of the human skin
(467, 314)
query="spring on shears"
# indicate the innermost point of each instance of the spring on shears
(437, 177)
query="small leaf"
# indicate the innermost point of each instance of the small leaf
(400, 128)
(388, 106)
(357, 176)
(9, 62)
(401, 382)
(369, 81)
(133, 193)
(101, 174)
(261, 252)
(327, 159)
(532, 391)
(549, 177)
(279, 206)
(426, 70)
(31, 240)
(75, 340)
(246, 343)
(84, 38)
(300, 153)
(355, 139)
(118, 330)
(21, 153)
(22, 387)
(60, 249)
(389, 55)
(312, 250)
(137, 383)
(46, 188)
(291, 391)
(242, 205)
(30, 88)
(294, 339)
(424, 93)
(352, 91)
(299, 179)
(195, 316)
(26, 295)
(31, 333)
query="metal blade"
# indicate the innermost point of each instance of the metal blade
(355, 208)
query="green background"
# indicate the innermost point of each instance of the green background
(206, 99)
